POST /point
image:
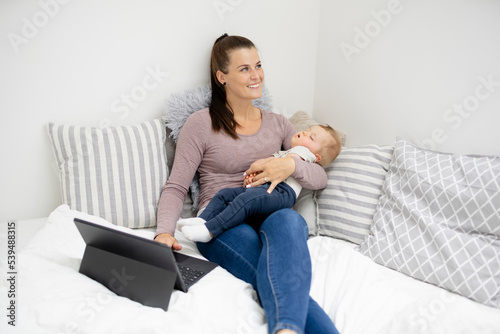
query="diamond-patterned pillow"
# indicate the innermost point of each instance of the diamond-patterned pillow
(438, 220)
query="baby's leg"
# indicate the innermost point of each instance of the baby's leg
(253, 202)
(220, 201)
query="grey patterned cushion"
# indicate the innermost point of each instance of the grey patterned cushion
(438, 220)
(346, 206)
(116, 173)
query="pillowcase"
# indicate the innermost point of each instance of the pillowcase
(438, 220)
(116, 173)
(346, 206)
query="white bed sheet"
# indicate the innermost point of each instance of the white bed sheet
(364, 297)
(359, 295)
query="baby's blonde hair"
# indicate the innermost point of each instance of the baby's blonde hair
(331, 149)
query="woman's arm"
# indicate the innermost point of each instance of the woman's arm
(309, 175)
(188, 156)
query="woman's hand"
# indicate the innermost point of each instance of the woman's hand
(169, 240)
(273, 170)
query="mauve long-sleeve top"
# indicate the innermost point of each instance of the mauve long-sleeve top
(222, 160)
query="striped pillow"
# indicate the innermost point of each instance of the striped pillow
(115, 173)
(346, 206)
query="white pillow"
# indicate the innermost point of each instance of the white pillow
(306, 207)
(116, 173)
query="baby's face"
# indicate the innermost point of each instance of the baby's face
(313, 138)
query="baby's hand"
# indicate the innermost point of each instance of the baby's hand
(247, 179)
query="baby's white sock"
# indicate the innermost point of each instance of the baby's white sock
(189, 222)
(197, 233)
(194, 229)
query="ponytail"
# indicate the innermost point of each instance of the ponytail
(220, 112)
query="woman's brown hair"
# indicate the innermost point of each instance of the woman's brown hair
(220, 112)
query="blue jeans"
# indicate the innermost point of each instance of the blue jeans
(231, 207)
(276, 261)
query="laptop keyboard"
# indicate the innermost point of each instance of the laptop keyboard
(190, 275)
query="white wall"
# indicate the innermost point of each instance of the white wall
(411, 68)
(74, 62)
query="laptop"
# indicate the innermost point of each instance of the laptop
(140, 269)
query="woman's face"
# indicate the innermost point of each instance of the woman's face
(244, 76)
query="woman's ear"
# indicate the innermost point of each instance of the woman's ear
(221, 77)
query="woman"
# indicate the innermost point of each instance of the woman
(220, 143)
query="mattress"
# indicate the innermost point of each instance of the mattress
(359, 295)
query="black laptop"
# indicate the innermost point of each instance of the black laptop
(137, 268)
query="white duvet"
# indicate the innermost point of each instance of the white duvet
(359, 295)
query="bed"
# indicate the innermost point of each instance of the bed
(113, 177)
(358, 294)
